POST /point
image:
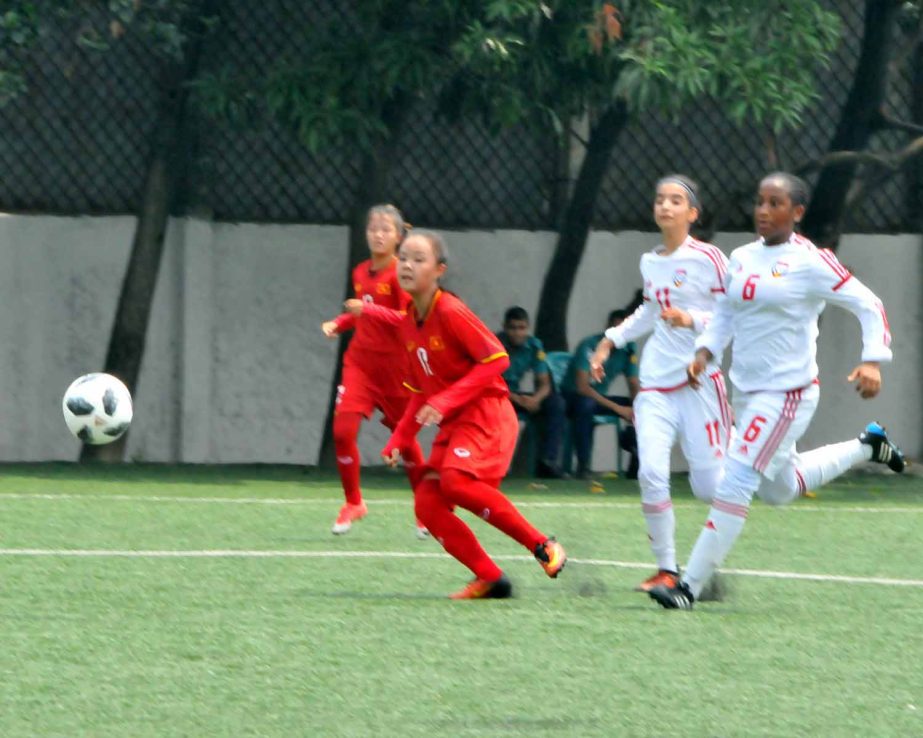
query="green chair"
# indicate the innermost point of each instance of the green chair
(558, 361)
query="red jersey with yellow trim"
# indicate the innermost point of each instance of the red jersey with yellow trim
(447, 344)
(380, 287)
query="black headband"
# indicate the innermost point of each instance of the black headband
(690, 193)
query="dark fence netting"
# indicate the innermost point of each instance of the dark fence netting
(78, 143)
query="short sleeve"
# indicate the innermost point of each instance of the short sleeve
(631, 363)
(539, 357)
(583, 353)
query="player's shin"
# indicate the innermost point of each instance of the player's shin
(826, 463)
(725, 522)
(434, 511)
(490, 504)
(345, 433)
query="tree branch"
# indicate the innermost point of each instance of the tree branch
(885, 121)
(580, 139)
(896, 162)
(890, 161)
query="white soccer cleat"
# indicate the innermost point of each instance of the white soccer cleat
(421, 531)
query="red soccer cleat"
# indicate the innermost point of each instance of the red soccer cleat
(479, 589)
(348, 515)
(551, 556)
(668, 579)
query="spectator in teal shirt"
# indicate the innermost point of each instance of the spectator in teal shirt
(586, 398)
(528, 355)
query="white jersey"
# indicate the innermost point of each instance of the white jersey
(690, 279)
(773, 297)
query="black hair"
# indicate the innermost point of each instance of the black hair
(397, 217)
(688, 184)
(515, 313)
(616, 315)
(440, 249)
(797, 188)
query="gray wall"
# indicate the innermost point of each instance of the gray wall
(236, 369)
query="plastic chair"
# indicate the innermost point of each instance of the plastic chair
(558, 361)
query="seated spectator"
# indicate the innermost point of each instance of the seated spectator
(586, 398)
(527, 355)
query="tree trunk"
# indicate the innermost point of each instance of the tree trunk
(551, 320)
(374, 172)
(166, 168)
(915, 176)
(823, 222)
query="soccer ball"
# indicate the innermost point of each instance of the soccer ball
(97, 408)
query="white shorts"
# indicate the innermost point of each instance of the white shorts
(701, 419)
(768, 426)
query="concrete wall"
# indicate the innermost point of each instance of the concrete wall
(236, 369)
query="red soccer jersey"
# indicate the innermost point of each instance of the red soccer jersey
(445, 346)
(380, 287)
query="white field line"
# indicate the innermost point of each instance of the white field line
(256, 554)
(333, 503)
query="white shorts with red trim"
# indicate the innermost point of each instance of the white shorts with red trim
(768, 426)
(700, 419)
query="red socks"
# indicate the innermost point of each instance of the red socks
(345, 435)
(435, 512)
(413, 463)
(490, 504)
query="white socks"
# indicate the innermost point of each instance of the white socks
(661, 530)
(827, 462)
(716, 539)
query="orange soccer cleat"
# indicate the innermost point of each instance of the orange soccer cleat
(348, 515)
(480, 589)
(551, 556)
(668, 579)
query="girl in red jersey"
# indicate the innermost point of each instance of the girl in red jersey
(373, 366)
(456, 364)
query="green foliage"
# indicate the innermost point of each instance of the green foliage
(379, 54)
(758, 61)
(19, 30)
(98, 23)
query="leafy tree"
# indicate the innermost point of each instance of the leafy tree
(363, 73)
(892, 33)
(756, 61)
(173, 30)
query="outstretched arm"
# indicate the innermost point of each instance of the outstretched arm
(635, 326)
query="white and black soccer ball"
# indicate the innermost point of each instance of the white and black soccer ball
(97, 408)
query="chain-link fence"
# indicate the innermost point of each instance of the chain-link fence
(78, 144)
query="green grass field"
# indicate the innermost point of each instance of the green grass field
(160, 601)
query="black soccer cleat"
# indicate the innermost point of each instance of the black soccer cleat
(883, 451)
(679, 597)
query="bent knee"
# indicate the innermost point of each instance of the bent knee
(654, 483)
(705, 482)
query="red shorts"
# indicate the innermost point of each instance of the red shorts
(479, 441)
(380, 388)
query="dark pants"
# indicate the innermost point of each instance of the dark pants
(581, 410)
(552, 417)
